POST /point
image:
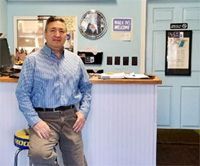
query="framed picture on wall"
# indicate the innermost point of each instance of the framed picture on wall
(178, 52)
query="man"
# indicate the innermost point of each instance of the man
(54, 94)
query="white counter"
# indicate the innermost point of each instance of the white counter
(120, 129)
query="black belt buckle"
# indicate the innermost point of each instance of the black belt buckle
(54, 110)
(63, 108)
(57, 109)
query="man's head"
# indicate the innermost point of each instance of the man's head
(55, 32)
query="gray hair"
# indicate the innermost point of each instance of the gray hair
(53, 19)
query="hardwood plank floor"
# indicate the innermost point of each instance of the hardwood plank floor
(178, 147)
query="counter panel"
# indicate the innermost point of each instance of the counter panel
(120, 129)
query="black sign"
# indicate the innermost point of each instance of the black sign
(179, 26)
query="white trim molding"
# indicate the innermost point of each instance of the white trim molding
(143, 36)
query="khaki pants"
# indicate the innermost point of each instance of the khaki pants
(42, 151)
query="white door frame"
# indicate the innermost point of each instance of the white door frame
(143, 36)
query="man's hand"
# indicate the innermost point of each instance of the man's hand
(78, 125)
(42, 129)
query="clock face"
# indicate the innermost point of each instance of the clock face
(93, 25)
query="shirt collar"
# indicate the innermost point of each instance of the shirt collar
(48, 51)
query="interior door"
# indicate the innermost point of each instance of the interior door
(178, 96)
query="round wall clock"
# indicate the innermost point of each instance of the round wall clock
(93, 25)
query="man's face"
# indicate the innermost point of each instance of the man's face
(56, 35)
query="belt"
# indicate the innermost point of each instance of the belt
(61, 108)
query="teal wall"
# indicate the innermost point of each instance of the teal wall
(3, 16)
(110, 9)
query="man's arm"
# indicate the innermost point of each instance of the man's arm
(84, 108)
(24, 89)
(85, 87)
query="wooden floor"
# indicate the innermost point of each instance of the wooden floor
(178, 147)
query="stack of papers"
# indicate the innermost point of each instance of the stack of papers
(112, 75)
(122, 75)
(136, 76)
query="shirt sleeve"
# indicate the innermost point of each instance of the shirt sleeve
(23, 91)
(85, 88)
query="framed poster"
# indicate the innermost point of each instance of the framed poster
(178, 52)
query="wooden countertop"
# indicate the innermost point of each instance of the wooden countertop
(151, 80)
(8, 79)
(96, 80)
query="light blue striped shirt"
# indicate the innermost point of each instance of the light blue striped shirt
(48, 82)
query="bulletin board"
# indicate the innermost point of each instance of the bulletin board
(178, 52)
